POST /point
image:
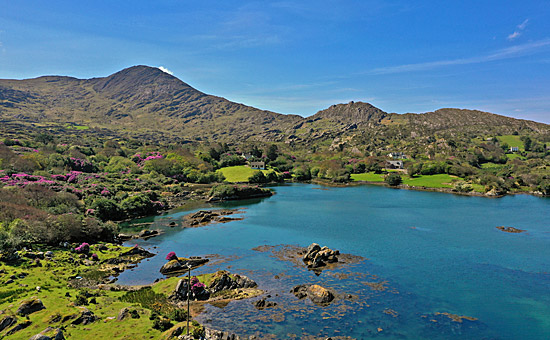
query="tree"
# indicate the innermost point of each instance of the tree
(393, 179)
(272, 152)
(257, 177)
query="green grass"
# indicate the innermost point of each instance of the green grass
(238, 173)
(511, 140)
(368, 176)
(514, 156)
(431, 181)
(490, 165)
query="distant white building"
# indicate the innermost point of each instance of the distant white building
(260, 165)
(514, 149)
(397, 155)
(394, 164)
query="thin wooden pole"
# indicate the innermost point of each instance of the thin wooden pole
(188, 295)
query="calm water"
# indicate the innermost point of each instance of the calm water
(432, 252)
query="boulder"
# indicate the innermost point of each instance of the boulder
(180, 293)
(49, 334)
(212, 334)
(137, 251)
(317, 294)
(30, 306)
(223, 281)
(7, 321)
(123, 314)
(19, 327)
(316, 257)
(86, 317)
(180, 265)
(146, 233)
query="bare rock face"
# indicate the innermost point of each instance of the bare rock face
(30, 306)
(316, 257)
(123, 314)
(317, 294)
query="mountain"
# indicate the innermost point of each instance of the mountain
(146, 102)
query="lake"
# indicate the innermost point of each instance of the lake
(429, 259)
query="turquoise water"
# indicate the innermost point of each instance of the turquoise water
(434, 252)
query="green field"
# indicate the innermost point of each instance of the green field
(431, 181)
(511, 140)
(238, 173)
(368, 176)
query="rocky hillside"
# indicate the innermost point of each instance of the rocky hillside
(146, 103)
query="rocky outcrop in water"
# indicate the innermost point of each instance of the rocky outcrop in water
(221, 281)
(181, 265)
(316, 257)
(510, 230)
(204, 217)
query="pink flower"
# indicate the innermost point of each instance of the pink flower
(171, 256)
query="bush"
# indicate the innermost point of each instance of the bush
(258, 177)
(393, 179)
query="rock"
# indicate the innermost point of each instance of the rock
(30, 306)
(510, 229)
(317, 294)
(146, 233)
(7, 321)
(124, 237)
(137, 251)
(19, 327)
(316, 257)
(8, 282)
(299, 291)
(180, 265)
(172, 224)
(262, 304)
(123, 314)
(180, 293)
(223, 281)
(48, 254)
(212, 334)
(49, 334)
(102, 247)
(86, 317)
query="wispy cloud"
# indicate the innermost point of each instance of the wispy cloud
(519, 30)
(505, 53)
(523, 24)
(165, 70)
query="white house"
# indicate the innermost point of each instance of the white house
(257, 165)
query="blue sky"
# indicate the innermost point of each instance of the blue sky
(300, 56)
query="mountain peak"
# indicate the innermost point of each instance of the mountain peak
(353, 113)
(145, 82)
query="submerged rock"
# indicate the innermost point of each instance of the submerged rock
(510, 229)
(263, 304)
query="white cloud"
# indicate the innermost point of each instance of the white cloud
(505, 53)
(513, 35)
(520, 28)
(523, 24)
(165, 70)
